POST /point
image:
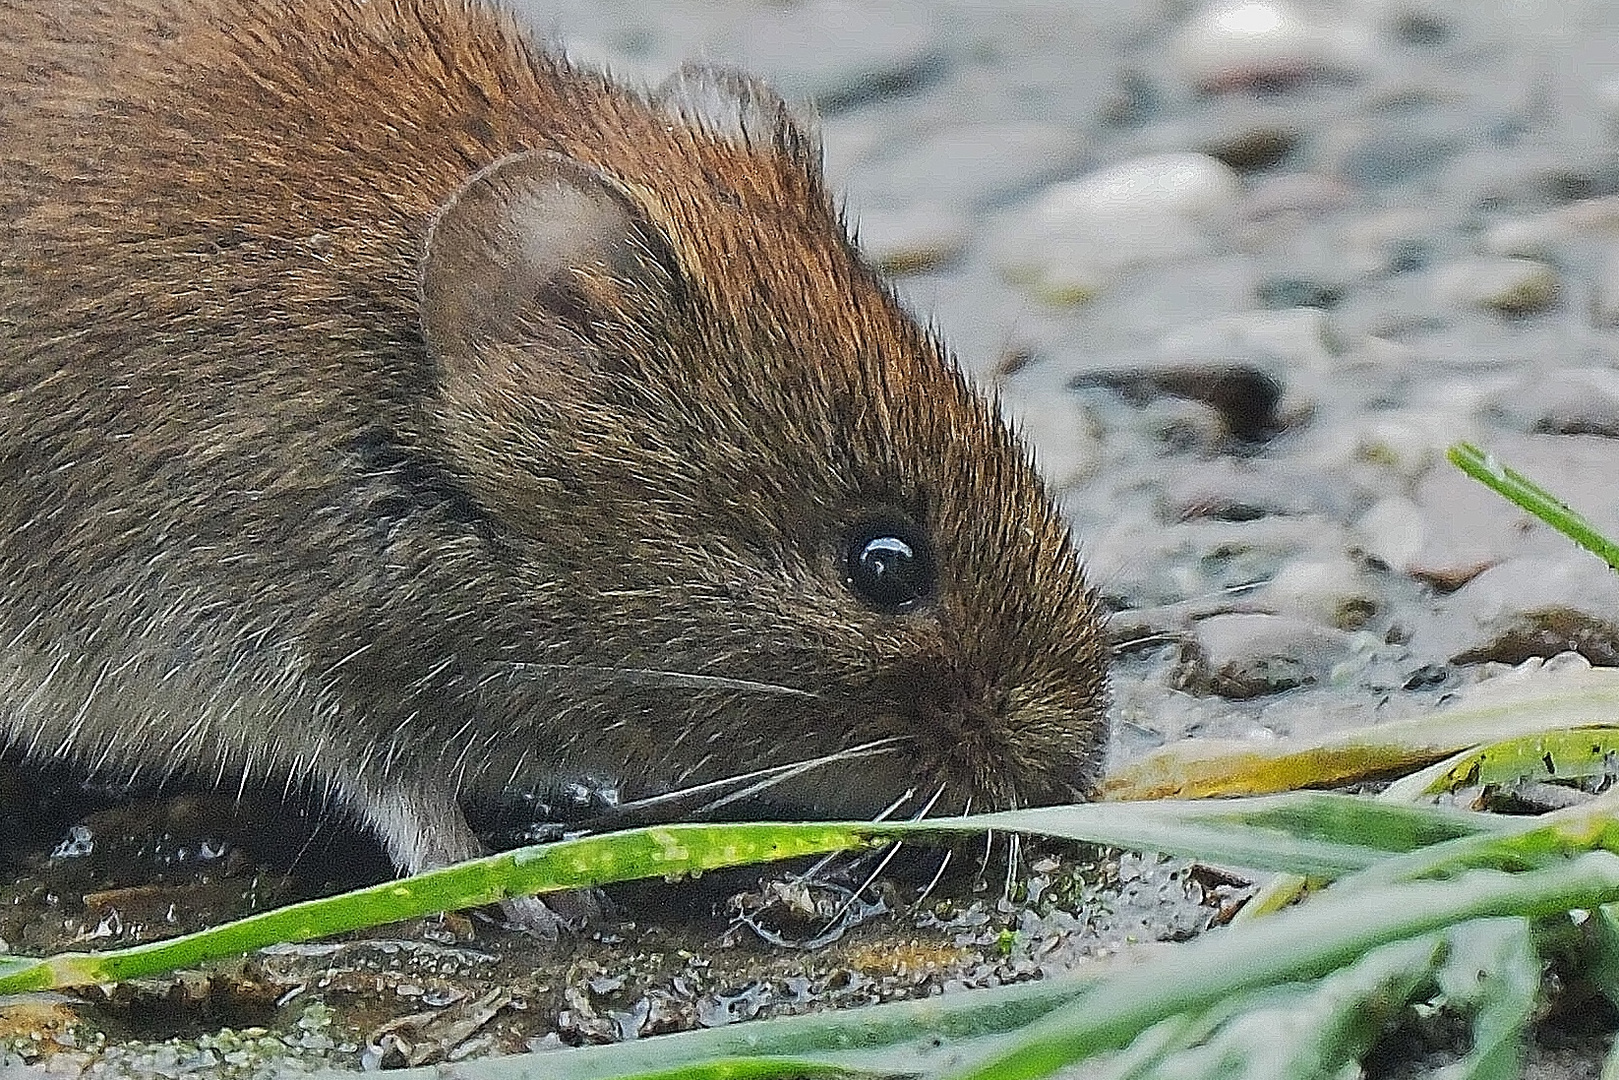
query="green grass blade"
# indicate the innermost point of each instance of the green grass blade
(1495, 970)
(1304, 1031)
(1528, 495)
(1490, 712)
(663, 851)
(1548, 755)
(1308, 832)
(1305, 942)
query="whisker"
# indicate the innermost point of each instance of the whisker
(751, 784)
(655, 677)
(854, 753)
(821, 863)
(938, 876)
(882, 864)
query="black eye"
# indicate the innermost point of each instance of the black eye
(888, 566)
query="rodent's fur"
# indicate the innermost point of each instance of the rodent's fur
(384, 403)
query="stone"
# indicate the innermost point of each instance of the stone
(1244, 655)
(1080, 234)
(1505, 284)
(1237, 44)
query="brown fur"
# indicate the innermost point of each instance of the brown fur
(256, 522)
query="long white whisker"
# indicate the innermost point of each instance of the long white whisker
(882, 746)
(654, 677)
(883, 815)
(758, 780)
(938, 875)
(882, 864)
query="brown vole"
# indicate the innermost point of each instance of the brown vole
(388, 407)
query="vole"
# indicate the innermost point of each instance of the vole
(388, 407)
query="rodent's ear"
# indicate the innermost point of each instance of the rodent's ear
(734, 105)
(534, 242)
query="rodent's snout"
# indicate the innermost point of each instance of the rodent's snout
(976, 744)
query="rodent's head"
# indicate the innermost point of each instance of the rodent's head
(759, 514)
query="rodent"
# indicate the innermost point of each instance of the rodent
(390, 408)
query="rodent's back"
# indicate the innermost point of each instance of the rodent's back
(388, 404)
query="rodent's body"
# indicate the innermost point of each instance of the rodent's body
(326, 456)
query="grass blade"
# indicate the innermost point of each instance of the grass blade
(1524, 493)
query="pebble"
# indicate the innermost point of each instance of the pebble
(1605, 304)
(1251, 149)
(1505, 284)
(1080, 234)
(1334, 592)
(1533, 607)
(1391, 531)
(1228, 489)
(1377, 154)
(1244, 396)
(979, 166)
(913, 239)
(1573, 402)
(1246, 655)
(1293, 339)
(1237, 44)
(1541, 235)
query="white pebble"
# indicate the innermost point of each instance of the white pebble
(1236, 43)
(1297, 337)
(1606, 312)
(1150, 209)
(1510, 285)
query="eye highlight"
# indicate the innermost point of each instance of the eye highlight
(887, 564)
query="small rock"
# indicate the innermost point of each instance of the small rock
(912, 240)
(838, 53)
(1081, 233)
(1534, 607)
(1237, 44)
(1333, 592)
(1247, 655)
(1285, 291)
(1382, 154)
(1245, 397)
(1605, 306)
(1293, 195)
(1509, 285)
(1230, 489)
(1392, 531)
(978, 165)
(1294, 339)
(1570, 402)
(1254, 148)
(1539, 236)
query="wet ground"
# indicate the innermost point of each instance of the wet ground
(1242, 271)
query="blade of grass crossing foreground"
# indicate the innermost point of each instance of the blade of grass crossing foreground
(1305, 942)
(1297, 1031)
(1524, 493)
(1311, 832)
(641, 853)
(1493, 969)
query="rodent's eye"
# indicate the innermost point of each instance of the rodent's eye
(888, 566)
